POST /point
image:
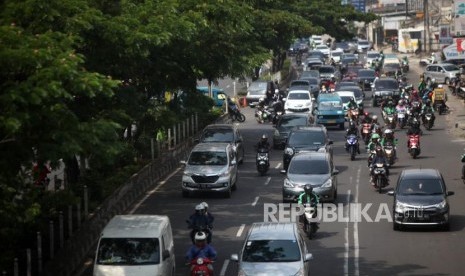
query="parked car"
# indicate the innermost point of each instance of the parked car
(224, 133)
(442, 72)
(211, 167)
(420, 198)
(273, 248)
(286, 123)
(315, 168)
(384, 88)
(310, 138)
(298, 101)
(257, 90)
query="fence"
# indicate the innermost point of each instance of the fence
(61, 248)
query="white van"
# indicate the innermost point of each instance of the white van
(136, 245)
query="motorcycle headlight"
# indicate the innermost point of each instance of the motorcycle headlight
(441, 205)
(327, 184)
(400, 207)
(288, 183)
(289, 151)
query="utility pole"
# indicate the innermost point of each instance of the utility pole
(425, 24)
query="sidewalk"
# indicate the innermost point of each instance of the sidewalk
(456, 117)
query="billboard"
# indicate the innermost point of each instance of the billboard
(459, 20)
(444, 35)
(359, 5)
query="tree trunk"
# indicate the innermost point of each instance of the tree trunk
(72, 170)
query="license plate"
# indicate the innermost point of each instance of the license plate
(331, 121)
(203, 186)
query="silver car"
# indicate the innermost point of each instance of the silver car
(210, 167)
(273, 248)
(442, 73)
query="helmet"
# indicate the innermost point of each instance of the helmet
(308, 188)
(379, 150)
(200, 207)
(204, 204)
(264, 138)
(261, 100)
(401, 102)
(390, 103)
(375, 118)
(200, 237)
(388, 131)
(433, 80)
(375, 136)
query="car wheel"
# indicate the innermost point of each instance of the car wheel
(445, 227)
(227, 194)
(395, 226)
(185, 194)
(234, 186)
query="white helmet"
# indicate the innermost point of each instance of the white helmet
(388, 131)
(204, 204)
(200, 236)
(375, 118)
(199, 207)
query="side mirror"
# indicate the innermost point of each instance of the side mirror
(335, 172)
(449, 193)
(391, 193)
(184, 162)
(165, 255)
(330, 142)
(234, 258)
(282, 171)
(308, 257)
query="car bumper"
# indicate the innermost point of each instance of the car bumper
(421, 218)
(297, 110)
(324, 194)
(221, 185)
(253, 101)
(323, 121)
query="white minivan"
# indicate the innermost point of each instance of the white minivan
(136, 245)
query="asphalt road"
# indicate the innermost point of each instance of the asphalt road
(339, 248)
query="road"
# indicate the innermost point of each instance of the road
(340, 248)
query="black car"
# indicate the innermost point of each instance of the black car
(366, 77)
(224, 133)
(420, 198)
(316, 54)
(314, 85)
(301, 139)
(385, 88)
(391, 69)
(286, 123)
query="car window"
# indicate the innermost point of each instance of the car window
(392, 65)
(346, 99)
(386, 84)
(420, 187)
(258, 85)
(298, 96)
(289, 122)
(303, 138)
(373, 55)
(326, 70)
(366, 73)
(330, 105)
(450, 68)
(299, 83)
(336, 54)
(271, 251)
(208, 158)
(309, 167)
(128, 251)
(218, 135)
(313, 81)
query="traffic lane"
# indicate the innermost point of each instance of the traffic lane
(413, 252)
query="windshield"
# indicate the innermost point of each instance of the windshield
(326, 70)
(257, 88)
(363, 43)
(259, 251)
(366, 73)
(311, 73)
(290, 122)
(348, 60)
(305, 138)
(298, 96)
(346, 99)
(218, 135)
(336, 54)
(299, 83)
(450, 68)
(420, 187)
(330, 105)
(209, 158)
(313, 81)
(373, 55)
(128, 251)
(392, 65)
(309, 167)
(386, 84)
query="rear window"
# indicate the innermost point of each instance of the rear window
(298, 96)
(208, 158)
(218, 135)
(290, 122)
(262, 251)
(366, 73)
(304, 138)
(386, 84)
(324, 70)
(128, 251)
(299, 83)
(450, 68)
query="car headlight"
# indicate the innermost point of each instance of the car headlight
(400, 207)
(225, 173)
(327, 184)
(308, 104)
(188, 173)
(300, 272)
(332, 76)
(441, 205)
(241, 273)
(289, 151)
(288, 183)
(276, 132)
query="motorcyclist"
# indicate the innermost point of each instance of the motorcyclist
(308, 197)
(388, 136)
(209, 215)
(401, 106)
(379, 157)
(403, 82)
(201, 249)
(427, 108)
(414, 129)
(269, 96)
(323, 89)
(421, 84)
(375, 126)
(366, 118)
(199, 221)
(263, 143)
(352, 130)
(374, 141)
(389, 108)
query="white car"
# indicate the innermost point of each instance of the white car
(298, 101)
(336, 55)
(324, 49)
(346, 96)
(317, 39)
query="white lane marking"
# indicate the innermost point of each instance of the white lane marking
(356, 243)
(277, 166)
(224, 267)
(268, 180)
(154, 190)
(346, 236)
(255, 201)
(241, 229)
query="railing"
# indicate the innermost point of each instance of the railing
(61, 248)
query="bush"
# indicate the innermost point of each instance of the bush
(286, 69)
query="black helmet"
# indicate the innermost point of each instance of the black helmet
(428, 102)
(308, 188)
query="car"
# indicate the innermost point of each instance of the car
(273, 248)
(372, 56)
(298, 101)
(286, 123)
(366, 77)
(384, 88)
(314, 168)
(315, 85)
(390, 69)
(312, 64)
(324, 49)
(420, 198)
(345, 83)
(336, 55)
(224, 133)
(317, 39)
(257, 90)
(442, 72)
(310, 74)
(316, 54)
(309, 138)
(363, 45)
(344, 46)
(328, 72)
(346, 96)
(329, 110)
(358, 93)
(294, 49)
(211, 167)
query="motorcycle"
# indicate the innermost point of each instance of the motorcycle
(401, 118)
(428, 121)
(366, 129)
(405, 66)
(262, 115)
(390, 152)
(310, 225)
(414, 145)
(380, 176)
(199, 228)
(200, 266)
(263, 163)
(352, 145)
(354, 114)
(235, 114)
(391, 120)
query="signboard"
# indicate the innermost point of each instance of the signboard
(451, 52)
(444, 35)
(359, 5)
(459, 8)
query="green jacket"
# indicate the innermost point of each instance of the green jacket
(307, 200)
(384, 141)
(390, 110)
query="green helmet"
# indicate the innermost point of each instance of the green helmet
(375, 136)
